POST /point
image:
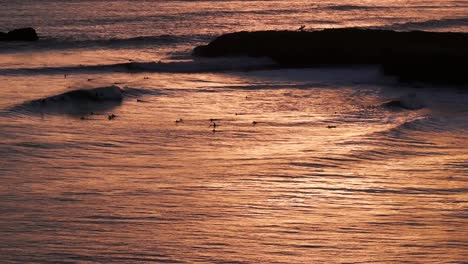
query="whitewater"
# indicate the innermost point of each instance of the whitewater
(118, 146)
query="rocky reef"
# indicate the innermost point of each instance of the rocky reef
(435, 57)
(21, 34)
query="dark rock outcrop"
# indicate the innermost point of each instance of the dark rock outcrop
(413, 56)
(21, 34)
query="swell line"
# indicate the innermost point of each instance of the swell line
(191, 66)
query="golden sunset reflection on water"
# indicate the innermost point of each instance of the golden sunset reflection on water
(287, 189)
(227, 160)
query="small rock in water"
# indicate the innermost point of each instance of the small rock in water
(20, 34)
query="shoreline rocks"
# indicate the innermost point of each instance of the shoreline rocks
(435, 57)
(21, 34)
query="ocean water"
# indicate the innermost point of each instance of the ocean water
(303, 165)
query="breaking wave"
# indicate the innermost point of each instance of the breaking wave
(79, 101)
(52, 43)
(431, 24)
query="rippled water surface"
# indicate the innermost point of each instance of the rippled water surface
(302, 166)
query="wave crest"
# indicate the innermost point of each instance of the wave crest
(352, 7)
(189, 66)
(431, 24)
(75, 102)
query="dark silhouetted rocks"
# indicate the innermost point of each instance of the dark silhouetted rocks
(22, 34)
(434, 57)
(400, 104)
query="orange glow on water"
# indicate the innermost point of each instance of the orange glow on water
(303, 166)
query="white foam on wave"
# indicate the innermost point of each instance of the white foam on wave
(327, 76)
(432, 24)
(204, 65)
